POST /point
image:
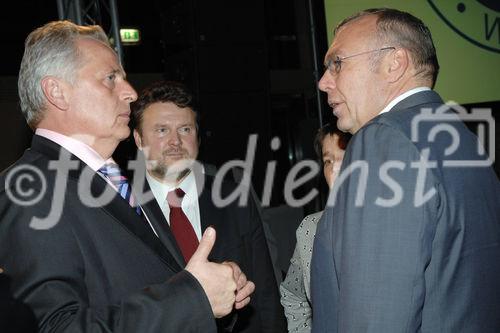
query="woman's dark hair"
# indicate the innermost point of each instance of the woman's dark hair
(329, 129)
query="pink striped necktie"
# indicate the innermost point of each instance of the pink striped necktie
(111, 171)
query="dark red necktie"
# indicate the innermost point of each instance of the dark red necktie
(180, 225)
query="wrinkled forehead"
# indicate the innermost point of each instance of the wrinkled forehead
(90, 48)
(169, 113)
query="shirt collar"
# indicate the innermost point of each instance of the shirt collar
(81, 150)
(403, 96)
(160, 190)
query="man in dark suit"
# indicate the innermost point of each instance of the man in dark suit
(411, 240)
(83, 258)
(15, 316)
(166, 130)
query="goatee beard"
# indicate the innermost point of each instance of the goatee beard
(161, 171)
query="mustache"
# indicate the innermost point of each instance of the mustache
(174, 151)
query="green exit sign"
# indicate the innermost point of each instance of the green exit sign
(130, 36)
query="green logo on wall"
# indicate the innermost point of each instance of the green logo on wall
(478, 21)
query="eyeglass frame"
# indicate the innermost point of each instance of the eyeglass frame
(337, 63)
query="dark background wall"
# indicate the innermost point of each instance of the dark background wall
(250, 63)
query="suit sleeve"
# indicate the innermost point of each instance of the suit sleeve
(383, 233)
(48, 274)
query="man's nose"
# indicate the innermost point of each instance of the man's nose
(129, 93)
(326, 81)
(174, 138)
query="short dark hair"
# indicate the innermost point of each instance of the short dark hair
(329, 129)
(162, 92)
(401, 29)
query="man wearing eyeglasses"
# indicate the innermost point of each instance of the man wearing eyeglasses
(411, 238)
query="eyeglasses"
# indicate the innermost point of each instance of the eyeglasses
(334, 66)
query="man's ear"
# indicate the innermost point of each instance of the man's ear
(137, 139)
(399, 62)
(55, 92)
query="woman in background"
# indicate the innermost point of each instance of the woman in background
(329, 144)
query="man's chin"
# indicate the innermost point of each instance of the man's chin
(178, 165)
(122, 133)
(345, 125)
(174, 170)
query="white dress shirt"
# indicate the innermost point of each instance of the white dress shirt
(189, 206)
(403, 96)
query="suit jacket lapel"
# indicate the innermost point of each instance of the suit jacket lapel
(211, 215)
(208, 211)
(159, 222)
(126, 216)
(117, 208)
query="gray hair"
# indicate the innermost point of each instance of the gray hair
(50, 50)
(401, 29)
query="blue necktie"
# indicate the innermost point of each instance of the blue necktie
(111, 171)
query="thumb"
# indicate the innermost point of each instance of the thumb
(207, 242)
